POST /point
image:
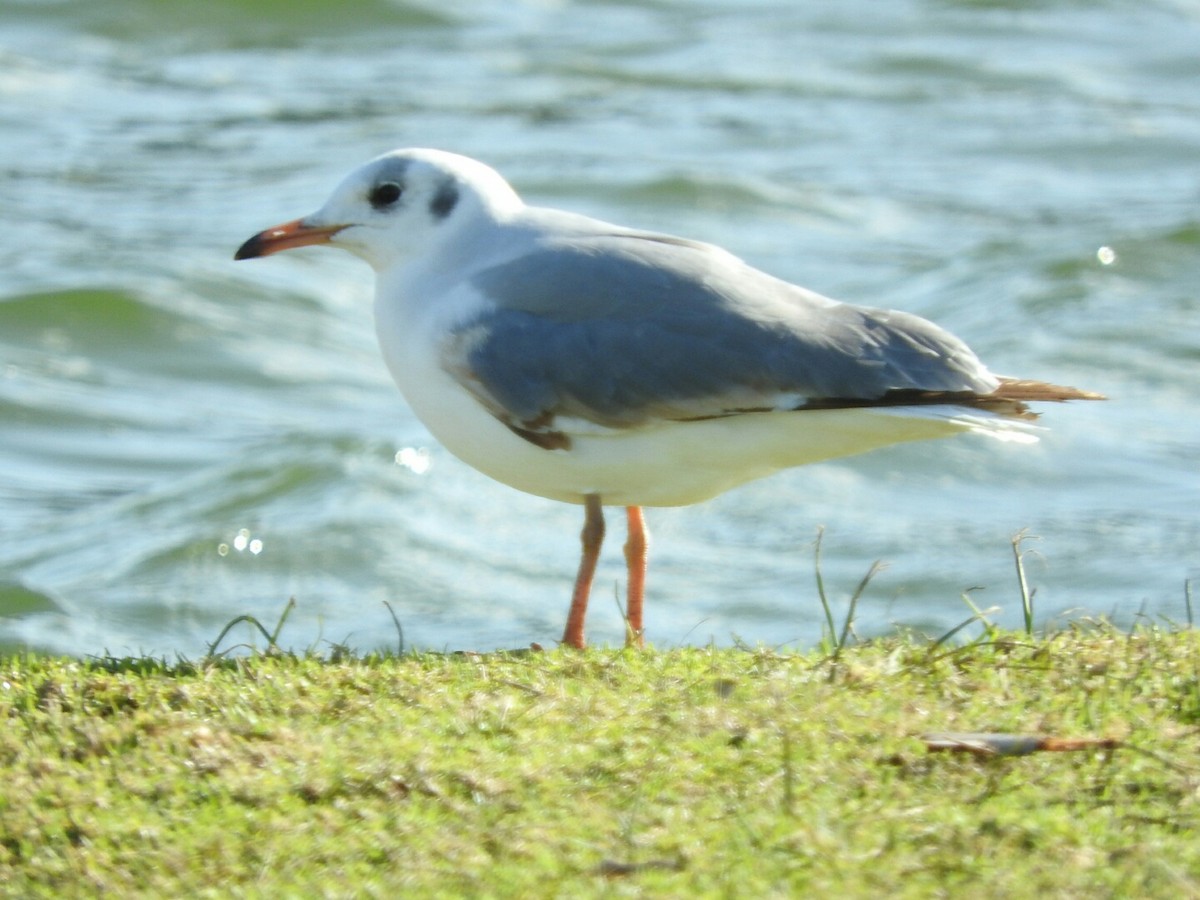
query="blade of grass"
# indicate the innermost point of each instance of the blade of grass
(1026, 595)
(980, 615)
(272, 637)
(283, 617)
(399, 629)
(848, 626)
(829, 638)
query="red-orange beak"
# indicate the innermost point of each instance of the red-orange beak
(285, 237)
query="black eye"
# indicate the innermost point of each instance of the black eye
(384, 195)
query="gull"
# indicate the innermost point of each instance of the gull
(597, 364)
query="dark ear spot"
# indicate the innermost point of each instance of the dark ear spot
(444, 200)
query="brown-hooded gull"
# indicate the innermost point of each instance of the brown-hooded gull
(596, 364)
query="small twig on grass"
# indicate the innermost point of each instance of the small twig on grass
(611, 868)
(985, 743)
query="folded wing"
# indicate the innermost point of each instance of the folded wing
(618, 329)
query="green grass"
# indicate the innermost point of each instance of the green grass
(696, 772)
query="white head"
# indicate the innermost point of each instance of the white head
(396, 206)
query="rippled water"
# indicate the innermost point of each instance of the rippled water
(184, 439)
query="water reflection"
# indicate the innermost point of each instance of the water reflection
(415, 459)
(242, 543)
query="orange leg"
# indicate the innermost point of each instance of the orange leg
(635, 561)
(592, 537)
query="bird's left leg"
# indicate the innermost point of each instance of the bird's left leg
(636, 547)
(591, 538)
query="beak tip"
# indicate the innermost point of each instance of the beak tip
(251, 249)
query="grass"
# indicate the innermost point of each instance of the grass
(694, 772)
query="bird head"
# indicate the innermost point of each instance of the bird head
(395, 207)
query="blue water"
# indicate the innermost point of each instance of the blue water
(184, 439)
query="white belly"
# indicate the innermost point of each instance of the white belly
(669, 463)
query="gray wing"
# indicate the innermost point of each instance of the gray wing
(621, 328)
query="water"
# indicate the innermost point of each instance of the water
(184, 439)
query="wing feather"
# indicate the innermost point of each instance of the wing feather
(619, 329)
